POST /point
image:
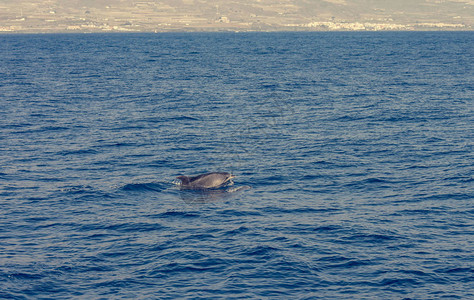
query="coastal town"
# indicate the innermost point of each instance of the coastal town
(51, 16)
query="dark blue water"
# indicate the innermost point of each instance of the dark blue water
(353, 154)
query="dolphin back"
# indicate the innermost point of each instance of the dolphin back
(210, 180)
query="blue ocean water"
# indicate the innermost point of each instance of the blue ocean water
(353, 156)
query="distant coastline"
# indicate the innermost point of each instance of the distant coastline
(341, 27)
(66, 16)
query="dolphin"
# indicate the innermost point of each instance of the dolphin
(205, 181)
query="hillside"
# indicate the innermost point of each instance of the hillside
(235, 15)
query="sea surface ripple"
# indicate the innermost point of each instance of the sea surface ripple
(353, 154)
